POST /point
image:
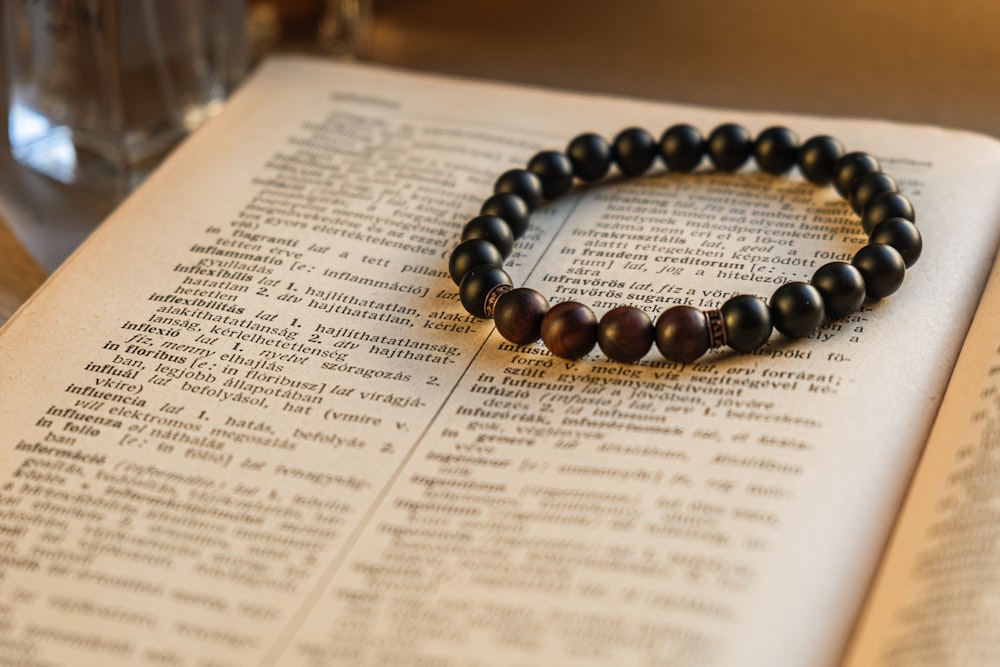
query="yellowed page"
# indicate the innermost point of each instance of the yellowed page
(938, 589)
(249, 423)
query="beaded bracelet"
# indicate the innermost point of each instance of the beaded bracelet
(683, 333)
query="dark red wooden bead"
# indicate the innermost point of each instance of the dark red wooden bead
(518, 315)
(682, 334)
(569, 330)
(625, 334)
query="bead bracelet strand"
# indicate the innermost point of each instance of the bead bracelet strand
(683, 333)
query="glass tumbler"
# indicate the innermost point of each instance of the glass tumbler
(100, 90)
(345, 27)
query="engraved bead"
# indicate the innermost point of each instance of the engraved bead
(817, 157)
(850, 168)
(682, 334)
(842, 287)
(590, 155)
(625, 334)
(467, 255)
(511, 209)
(729, 146)
(569, 330)
(522, 183)
(902, 235)
(882, 268)
(776, 150)
(884, 206)
(493, 229)
(716, 329)
(554, 170)
(634, 150)
(747, 321)
(797, 309)
(477, 285)
(518, 315)
(682, 147)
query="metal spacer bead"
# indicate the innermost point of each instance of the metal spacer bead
(490, 303)
(716, 328)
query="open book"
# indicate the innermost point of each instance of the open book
(248, 422)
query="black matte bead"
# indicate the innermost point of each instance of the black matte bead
(511, 209)
(868, 187)
(884, 206)
(902, 235)
(747, 321)
(634, 150)
(850, 168)
(729, 146)
(522, 183)
(776, 150)
(590, 155)
(797, 309)
(467, 255)
(682, 334)
(842, 287)
(569, 330)
(882, 267)
(518, 315)
(477, 285)
(554, 170)
(625, 334)
(817, 157)
(682, 147)
(493, 229)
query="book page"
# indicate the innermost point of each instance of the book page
(250, 423)
(938, 589)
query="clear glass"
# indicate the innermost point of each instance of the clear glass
(100, 90)
(344, 28)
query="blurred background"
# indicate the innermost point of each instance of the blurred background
(919, 61)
